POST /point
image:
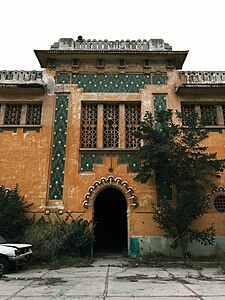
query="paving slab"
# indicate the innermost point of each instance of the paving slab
(213, 298)
(155, 298)
(110, 261)
(86, 288)
(212, 272)
(183, 272)
(148, 272)
(208, 288)
(28, 273)
(111, 280)
(8, 288)
(88, 272)
(147, 288)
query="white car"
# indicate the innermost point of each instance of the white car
(13, 255)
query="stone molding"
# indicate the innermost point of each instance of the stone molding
(110, 182)
(21, 76)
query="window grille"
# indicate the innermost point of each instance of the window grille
(33, 114)
(208, 114)
(223, 109)
(89, 126)
(133, 118)
(111, 133)
(219, 203)
(13, 114)
(188, 112)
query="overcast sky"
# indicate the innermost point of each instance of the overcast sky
(194, 25)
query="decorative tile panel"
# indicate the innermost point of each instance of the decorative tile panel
(63, 78)
(131, 159)
(158, 78)
(89, 159)
(58, 148)
(111, 83)
(159, 104)
(163, 187)
(13, 129)
(162, 184)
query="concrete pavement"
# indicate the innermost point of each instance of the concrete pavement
(113, 279)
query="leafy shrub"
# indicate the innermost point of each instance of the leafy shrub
(53, 239)
(222, 262)
(77, 236)
(13, 214)
(46, 238)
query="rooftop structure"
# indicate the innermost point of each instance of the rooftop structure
(105, 45)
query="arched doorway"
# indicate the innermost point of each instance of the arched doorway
(110, 218)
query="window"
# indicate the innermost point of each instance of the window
(89, 126)
(223, 111)
(219, 203)
(13, 114)
(208, 112)
(188, 111)
(211, 114)
(20, 115)
(133, 117)
(122, 63)
(110, 125)
(100, 63)
(33, 114)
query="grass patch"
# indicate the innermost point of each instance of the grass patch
(62, 261)
(69, 261)
(160, 260)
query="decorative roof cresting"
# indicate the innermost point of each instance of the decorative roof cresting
(81, 44)
(20, 76)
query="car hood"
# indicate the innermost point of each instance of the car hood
(17, 246)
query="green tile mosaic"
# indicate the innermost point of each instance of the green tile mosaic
(159, 104)
(158, 78)
(219, 130)
(132, 160)
(37, 129)
(111, 83)
(58, 148)
(163, 187)
(135, 246)
(13, 129)
(162, 183)
(89, 159)
(63, 78)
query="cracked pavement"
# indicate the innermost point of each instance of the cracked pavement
(112, 279)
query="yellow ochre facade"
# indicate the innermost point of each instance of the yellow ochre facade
(66, 135)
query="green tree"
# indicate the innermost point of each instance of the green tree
(13, 214)
(175, 155)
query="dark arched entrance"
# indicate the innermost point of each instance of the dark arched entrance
(110, 217)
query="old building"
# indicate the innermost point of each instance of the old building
(66, 135)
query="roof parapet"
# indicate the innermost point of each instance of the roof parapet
(202, 77)
(21, 76)
(123, 45)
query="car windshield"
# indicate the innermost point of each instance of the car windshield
(2, 241)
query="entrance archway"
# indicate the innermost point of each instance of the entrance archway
(110, 218)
